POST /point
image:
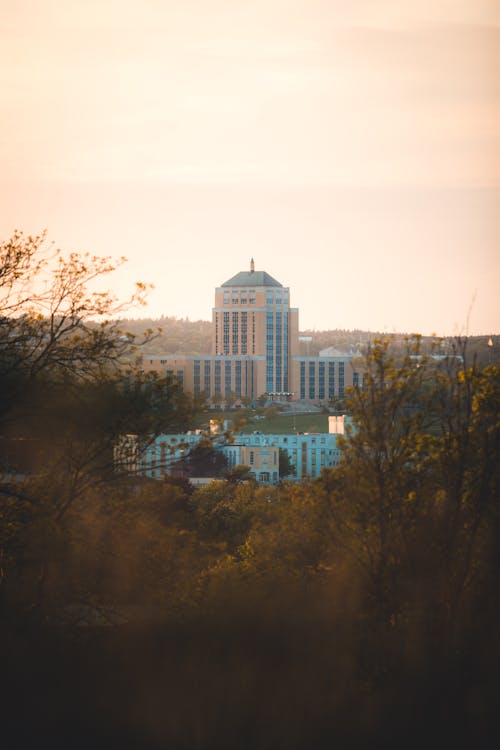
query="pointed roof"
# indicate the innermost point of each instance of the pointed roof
(252, 278)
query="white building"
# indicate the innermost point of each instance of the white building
(308, 453)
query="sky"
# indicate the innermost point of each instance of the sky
(351, 148)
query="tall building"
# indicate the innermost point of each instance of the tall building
(252, 317)
(255, 349)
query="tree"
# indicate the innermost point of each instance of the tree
(239, 473)
(202, 461)
(70, 385)
(230, 399)
(217, 399)
(49, 314)
(285, 465)
(413, 501)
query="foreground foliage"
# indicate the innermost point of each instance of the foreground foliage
(356, 610)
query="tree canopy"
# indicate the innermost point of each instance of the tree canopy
(357, 609)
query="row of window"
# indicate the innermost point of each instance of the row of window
(240, 301)
(234, 333)
(321, 392)
(218, 376)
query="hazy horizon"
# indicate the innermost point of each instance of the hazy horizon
(352, 150)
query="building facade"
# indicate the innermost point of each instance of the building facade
(309, 454)
(255, 349)
(163, 455)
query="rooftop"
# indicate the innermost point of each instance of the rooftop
(252, 278)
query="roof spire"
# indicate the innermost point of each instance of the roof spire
(252, 266)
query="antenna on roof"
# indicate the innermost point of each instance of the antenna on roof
(252, 266)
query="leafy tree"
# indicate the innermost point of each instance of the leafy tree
(217, 399)
(412, 503)
(285, 465)
(203, 460)
(69, 387)
(48, 314)
(240, 420)
(230, 398)
(240, 473)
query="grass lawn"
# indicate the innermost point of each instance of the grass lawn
(289, 423)
(275, 425)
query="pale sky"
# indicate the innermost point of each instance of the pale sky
(352, 148)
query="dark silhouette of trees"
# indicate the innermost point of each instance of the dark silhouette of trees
(286, 467)
(360, 609)
(69, 388)
(202, 460)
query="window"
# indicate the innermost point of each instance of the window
(341, 378)
(217, 377)
(226, 332)
(235, 332)
(197, 378)
(278, 384)
(206, 376)
(269, 351)
(302, 380)
(321, 380)
(331, 379)
(252, 458)
(237, 387)
(244, 332)
(285, 351)
(312, 379)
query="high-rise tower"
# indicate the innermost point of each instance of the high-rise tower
(252, 317)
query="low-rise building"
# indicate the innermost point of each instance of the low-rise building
(164, 455)
(308, 453)
(262, 460)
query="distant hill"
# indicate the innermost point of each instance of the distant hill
(176, 335)
(173, 335)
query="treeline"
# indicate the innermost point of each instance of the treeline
(357, 610)
(173, 335)
(176, 335)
